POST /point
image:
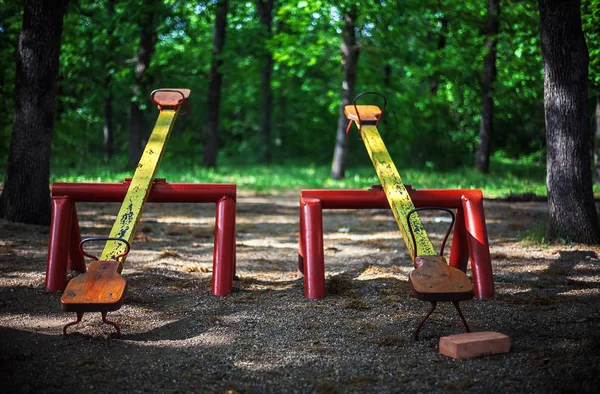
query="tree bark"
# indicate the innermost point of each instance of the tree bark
(350, 52)
(108, 109)
(211, 144)
(441, 44)
(597, 141)
(486, 126)
(137, 123)
(265, 11)
(572, 213)
(26, 195)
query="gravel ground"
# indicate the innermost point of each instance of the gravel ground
(267, 338)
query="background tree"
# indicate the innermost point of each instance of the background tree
(350, 52)
(147, 44)
(26, 196)
(211, 144)
(108, 80)
(265, 13)
(572, 213)
(486, 127)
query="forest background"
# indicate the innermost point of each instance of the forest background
(427, 58)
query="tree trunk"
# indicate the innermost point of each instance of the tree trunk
(350, 52)
(108, 110)
(26, 195)
(211, 145)
(441, 44)
(265, 11)
(486, 126)
(137, 123)
(572, 214)
(108, 119)
(597, 141)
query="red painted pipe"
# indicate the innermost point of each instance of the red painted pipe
(375, 198)
(459, 252)
(58, 244)
(479, 248)
(312, 237)
(224, 250)
(301, 248)
(76, 259)
(160, 192)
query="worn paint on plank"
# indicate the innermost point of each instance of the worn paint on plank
(139, 188)
(396, 193)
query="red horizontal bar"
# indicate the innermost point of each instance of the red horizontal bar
(375, 198)
(161, 192)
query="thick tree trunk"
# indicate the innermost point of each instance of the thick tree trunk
(486, 126)
(265, 11)
(108, 110)
(26, 195)
(211, 144)
(137, 123)
(597, 141)
(572, 214)
(350, 52)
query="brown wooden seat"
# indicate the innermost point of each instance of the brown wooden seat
(101, 289)
(170, 97)
(434, 280)
(367, 114)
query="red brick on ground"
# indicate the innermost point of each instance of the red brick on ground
(474, 344)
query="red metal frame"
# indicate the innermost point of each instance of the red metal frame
(470, 236)
(63, 246)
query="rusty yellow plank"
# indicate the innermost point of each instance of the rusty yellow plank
(395, 192)
(139, 189)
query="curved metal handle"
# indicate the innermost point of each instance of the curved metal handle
(83, 241)
(365, 94)
(412, 234)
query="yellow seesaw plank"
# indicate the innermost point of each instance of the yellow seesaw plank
(139, 189)
(390, 179)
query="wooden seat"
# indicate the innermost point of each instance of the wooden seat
(368, 114)
(170, 97)
(434, 280)
(100, 289)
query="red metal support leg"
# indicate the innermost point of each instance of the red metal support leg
(76, 259)
(459, 253)
(301, 242)
(479, 249)
(314, 267)
(58, 245)
(224, 252)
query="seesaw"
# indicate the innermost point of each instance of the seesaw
(102, 288)
(433, 279)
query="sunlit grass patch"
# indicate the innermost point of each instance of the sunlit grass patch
(506, 178)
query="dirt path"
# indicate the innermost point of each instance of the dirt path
(266, 337)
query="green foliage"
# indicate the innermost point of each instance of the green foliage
(426, 57)
(590, 17)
